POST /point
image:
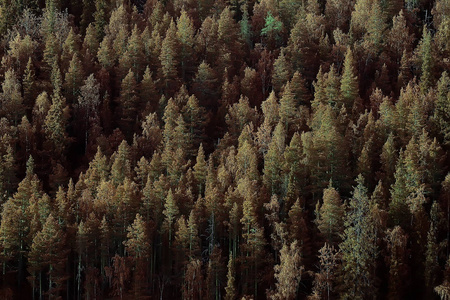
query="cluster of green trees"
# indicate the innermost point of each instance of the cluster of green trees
(225, 149)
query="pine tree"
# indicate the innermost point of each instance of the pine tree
(443, 290)
(52, 51)
(49, 255)
(29, 85)
(396, 243)
(105, 53)
(324, 280)
(332, 91)
(325, 151)
(11, 100)
(288, 273)
(349, 82)
(133, 58)
(288, 110)
(205, 85)
(442, 108)
(10, 11)
(88, 102)
(273, 161)
(121, 166)
(299, 89)
(319, 90)
(195, 117)
(272, 30)
(240, 114)
(169, 59)
(74, 78)
(330, 215)
(297, 228)
(200, 169)
(185, 34)
(91, 41)
(55, 124)
(170, 212)
(426, 58)
(247, 162)
(375, 27)
(281, 71)
(358, 250)
(137, 244)
(228, 36)
(270, 109)
(399, 38)
(148, 92)
(230, 289)
(432, 249)
(193, 280)
(128, 102)
(100, 17)
(70, 47)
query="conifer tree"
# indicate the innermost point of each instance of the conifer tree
(239, 115)
(399, 38)
(48, 255)
(375, 27)
(193, 280)
(169, 59)
(74, 78)
(55, 124)
(29, 85)
(133, 58)
(324, 280)
(88, 102)
(358, 251)
(330, 215)
(288, 273)
(349, 82)
(298, 231)
(11, 99)
(397, 260)
(299, 88)
(170, 212)
(288, 110)
(230, 289)
(273, 160)
(147, 92)
(281, 71)
(432, 250)
(442, 107)
(105, 53)
(270, 109)
(70, 47)
(128, 102)
(121, 166)
(205, 84)
(200, 169)
(137, 240)
(195, 117)
(185, 34)
(426, 58)
(91, 41)
(52, 50)
(100, 17)
(228, 36)
(443, 290)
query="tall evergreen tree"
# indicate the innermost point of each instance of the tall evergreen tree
(358, 251)
(349, 82)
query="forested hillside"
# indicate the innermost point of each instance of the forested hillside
(200, 149)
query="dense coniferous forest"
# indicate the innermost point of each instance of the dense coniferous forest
(242, 149)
